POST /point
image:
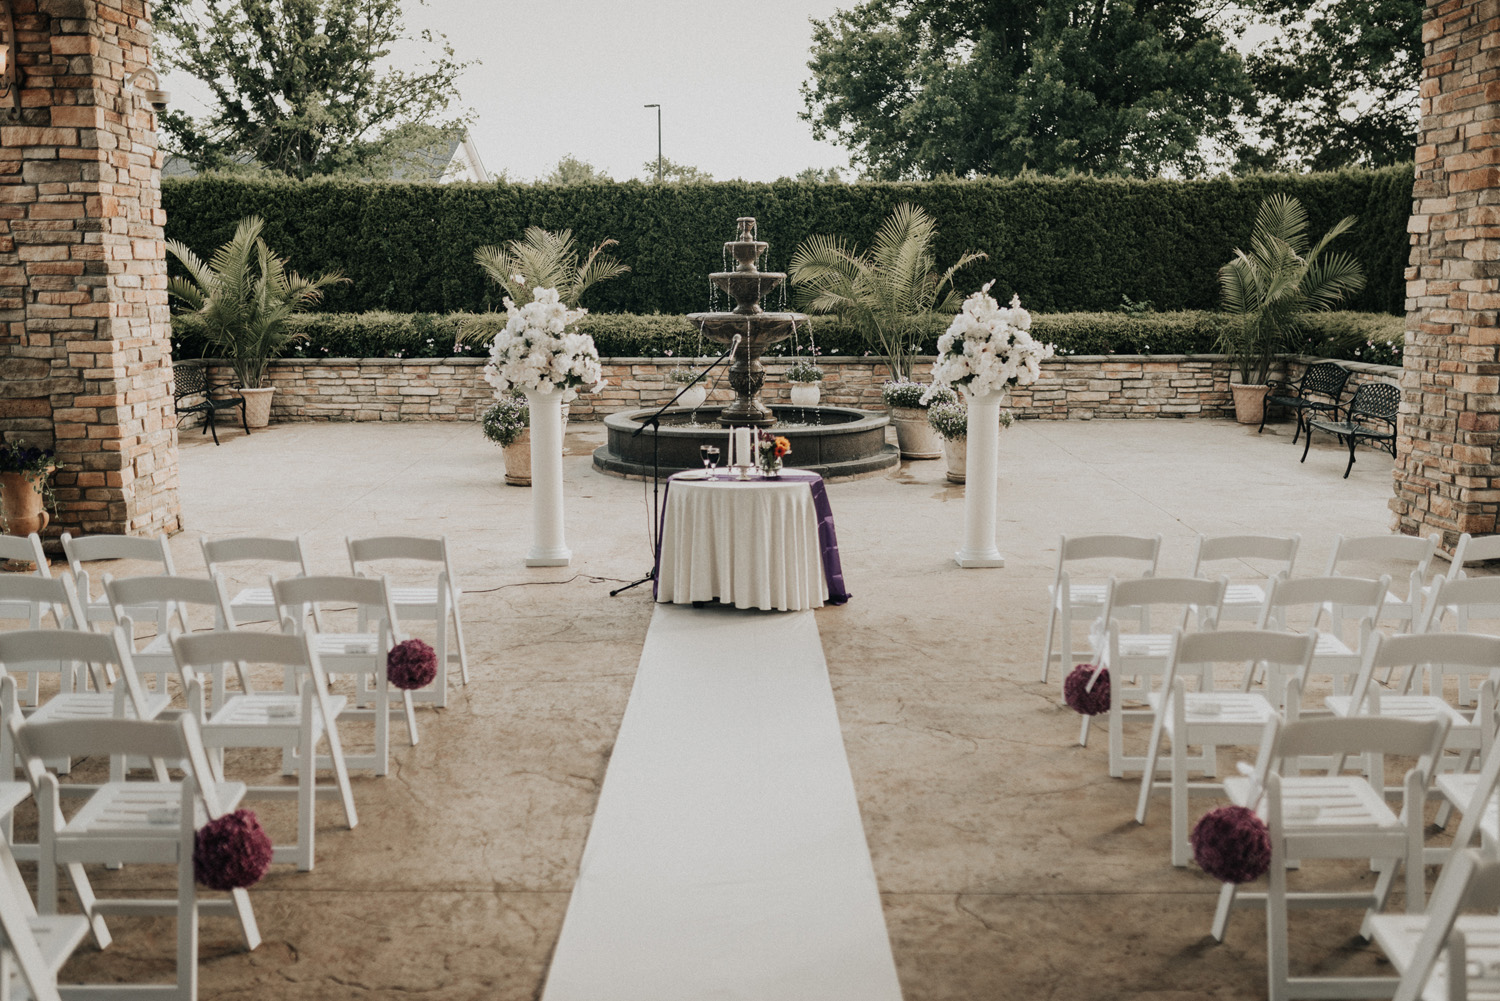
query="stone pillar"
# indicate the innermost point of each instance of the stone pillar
(85, 343)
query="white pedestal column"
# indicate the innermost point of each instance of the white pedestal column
(982, 486)
(548, 547)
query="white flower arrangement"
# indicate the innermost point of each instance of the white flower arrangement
(988, 348)
(536, 351)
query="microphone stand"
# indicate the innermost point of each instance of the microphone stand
(654, 422)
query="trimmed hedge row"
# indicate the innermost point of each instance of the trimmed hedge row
(1373, 337)
(1064, 243)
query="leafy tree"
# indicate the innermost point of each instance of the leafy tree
(571, 170)
(917, 88)
(888, 292)
(244, 295)
(676, 173)
(1282, 278)
(299, 85)
(1338, 83)
(816, 175)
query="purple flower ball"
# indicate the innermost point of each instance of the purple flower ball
(411, 664)
(1232, 845)
(1081, 698)
(231, 853)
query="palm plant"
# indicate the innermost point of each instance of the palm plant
(245, 294)
(1280, 280)
(888, 291)
(541, 259)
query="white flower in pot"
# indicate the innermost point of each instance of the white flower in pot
(806, 383)
(508, 424)
(951, 422)
(909, 402)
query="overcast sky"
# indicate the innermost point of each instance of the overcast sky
(571, 76)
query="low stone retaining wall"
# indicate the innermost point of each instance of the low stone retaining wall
(1080, 387)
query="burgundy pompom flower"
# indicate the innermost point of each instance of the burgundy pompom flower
(231, 853)
(1083, 699)
(411, 664)
(1232, 845)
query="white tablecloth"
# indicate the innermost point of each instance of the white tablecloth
(750, 544)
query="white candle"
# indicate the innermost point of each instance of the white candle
(742, 446)
(729, 453)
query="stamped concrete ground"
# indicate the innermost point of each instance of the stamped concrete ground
(1008, 861)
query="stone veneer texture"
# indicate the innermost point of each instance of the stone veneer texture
(84, 336)
(1447, 480)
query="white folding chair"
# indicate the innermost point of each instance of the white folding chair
(146, 822)
(436, 602)
(362, 654)
(294, 721)
(24, 550)
(1473, 549)
(1442, 955)
(90, 548)
(1343, 610)
(12, 792)
(32, 947)
(1134, 659)
(1272, 555)
(254, 603)
(1471, 605)
(171, 598)
(34, 602)
(1073, 598)
(1364, 556)
(1474, 793)
(1214, 716)
(1339, 816)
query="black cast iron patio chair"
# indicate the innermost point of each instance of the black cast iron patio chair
(190, 379)
(1324, 379)
(1372, 417)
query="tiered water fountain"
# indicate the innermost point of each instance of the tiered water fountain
(831, 441)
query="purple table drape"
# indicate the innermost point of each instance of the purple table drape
(833, 568)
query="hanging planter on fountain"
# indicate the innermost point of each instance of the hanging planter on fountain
(806, 384)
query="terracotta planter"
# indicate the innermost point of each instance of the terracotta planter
(1249, 402)
(956, 450)
(916, 437)
(258, 406)
(518, 460)
(692, 399)
(21, 503)
(806, 394)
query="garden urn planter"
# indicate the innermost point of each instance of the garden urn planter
(518, 460)
(982, 481)
(806, 394)
(258, 406)
(21, 503)
(955, 449)
(693, 397)
(1249, 402)
(916, 437)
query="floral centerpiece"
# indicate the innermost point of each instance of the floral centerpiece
(537, 352)
(25, 490)
(988, 348)
(769, 450)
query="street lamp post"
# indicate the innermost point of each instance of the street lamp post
(658, 140)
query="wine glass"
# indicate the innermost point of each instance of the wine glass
(710, 456)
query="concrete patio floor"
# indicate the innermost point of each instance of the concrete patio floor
(1009, 863)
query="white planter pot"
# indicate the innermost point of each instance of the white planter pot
(518, 460)
(258, 406)
(694, 397)
(916, 437)
(956, 450)
(806, 394)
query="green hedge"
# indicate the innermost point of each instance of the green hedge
(1064, 243)
(1372, 337)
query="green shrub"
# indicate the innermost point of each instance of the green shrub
(1064, 243)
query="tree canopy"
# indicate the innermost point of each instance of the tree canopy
(301, 87)
(919, 88)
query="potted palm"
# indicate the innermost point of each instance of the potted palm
(889, 292)
(508, 424)
(541, 259)
(244, 296)
(1271, 287)
(909, 402)
(806, 383)
(25, 491)
(951, 422)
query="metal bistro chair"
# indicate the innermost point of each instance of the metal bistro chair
(1372, 417)
(190, 380)
(1324, 379)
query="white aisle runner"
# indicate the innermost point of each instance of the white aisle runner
(726, 860)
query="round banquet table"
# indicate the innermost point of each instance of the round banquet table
(752, 544)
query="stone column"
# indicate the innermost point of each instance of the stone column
(85, 344)
(1447, 477)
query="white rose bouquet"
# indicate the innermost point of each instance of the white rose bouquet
(988, 348)
(536, 350)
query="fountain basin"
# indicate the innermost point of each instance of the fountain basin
(834, 442)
